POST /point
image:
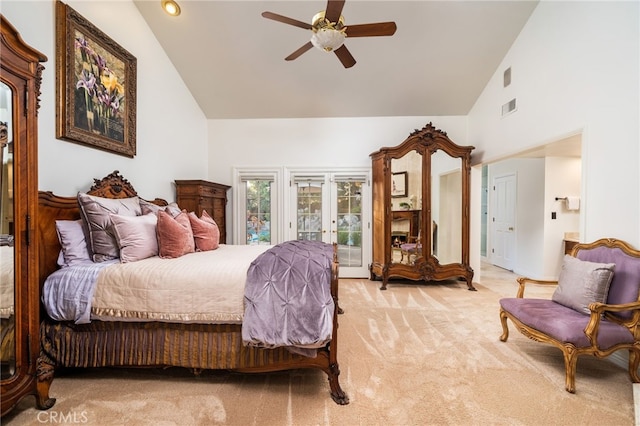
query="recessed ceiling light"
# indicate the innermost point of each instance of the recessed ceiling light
(171, 7)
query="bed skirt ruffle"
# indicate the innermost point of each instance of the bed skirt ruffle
(199, 346)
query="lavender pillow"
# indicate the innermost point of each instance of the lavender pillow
(175, 237)
(73, 245)
(205, 231)
(136, 236)
(582, 282)
(95, 213)
(148, 207)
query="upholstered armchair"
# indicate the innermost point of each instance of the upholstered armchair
(594, 310)
(412, 247)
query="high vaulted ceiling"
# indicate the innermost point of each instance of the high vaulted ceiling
(437, 63)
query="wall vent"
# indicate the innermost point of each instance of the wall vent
(506, 77)
(509, 107)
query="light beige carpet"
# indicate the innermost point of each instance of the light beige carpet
(411, 355)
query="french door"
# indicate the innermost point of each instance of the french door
(333, 207)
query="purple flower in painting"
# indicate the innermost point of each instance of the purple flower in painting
(87, 81)
(85, 50)
(100, 62)
(81, 43)
(115, 104)
(104, 98)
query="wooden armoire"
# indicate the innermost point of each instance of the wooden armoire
(421, 209)
(20, 80)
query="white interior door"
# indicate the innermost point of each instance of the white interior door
(503, 221)
(333, 207)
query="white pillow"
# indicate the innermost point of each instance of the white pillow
(581, 283)
(136, 236)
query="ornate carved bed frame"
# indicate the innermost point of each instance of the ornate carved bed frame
(153, 344)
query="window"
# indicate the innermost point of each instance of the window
(256, 206)
(258, 203)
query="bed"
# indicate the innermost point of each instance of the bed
(110, 338)
(7, 318)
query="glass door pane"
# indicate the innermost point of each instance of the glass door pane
(309, 211)
(258, 228)
(348, 201)
(332, 207)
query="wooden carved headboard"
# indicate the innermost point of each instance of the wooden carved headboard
(53, 207)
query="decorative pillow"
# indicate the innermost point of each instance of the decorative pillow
(148, 207)
(136, 236)
(581, 283)
(175, 237)
(74, 246)
(95, 213)
(205, 231)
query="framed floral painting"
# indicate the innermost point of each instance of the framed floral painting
(95, 86)
(399, 184)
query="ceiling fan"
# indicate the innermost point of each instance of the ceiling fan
(329, 31)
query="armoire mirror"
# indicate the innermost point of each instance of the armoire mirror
(446, 207)
(406, 211)
(421, 209)
(7, 313)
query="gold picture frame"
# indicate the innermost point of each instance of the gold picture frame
(95, 86)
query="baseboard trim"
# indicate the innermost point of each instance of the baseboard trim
(636, 402)
(621, 359)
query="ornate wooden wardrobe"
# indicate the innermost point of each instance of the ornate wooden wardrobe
(20, 79)
(421, 209)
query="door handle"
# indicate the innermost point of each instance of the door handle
(511, 228)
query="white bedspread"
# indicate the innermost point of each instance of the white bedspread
(6, 281)
(201, 287)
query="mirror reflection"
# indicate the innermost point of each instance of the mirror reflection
(7, 317)
(406, 208)
(446, 207)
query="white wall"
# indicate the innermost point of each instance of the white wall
(575, 68)
(171, 129)
(317, 142)
(562, 177)
(530, 221)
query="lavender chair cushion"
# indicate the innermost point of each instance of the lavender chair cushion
(562, 323)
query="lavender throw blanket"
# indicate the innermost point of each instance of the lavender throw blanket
(288, 296)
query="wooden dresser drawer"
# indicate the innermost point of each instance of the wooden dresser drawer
(199, 195)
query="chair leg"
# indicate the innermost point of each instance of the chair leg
(505, 329)
(634, 364)
(570, 365)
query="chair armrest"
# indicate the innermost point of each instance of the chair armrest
(600, 308)
(522, 281)
(597, 311)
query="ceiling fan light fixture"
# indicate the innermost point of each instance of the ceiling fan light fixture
(328, 39)
(171, 7)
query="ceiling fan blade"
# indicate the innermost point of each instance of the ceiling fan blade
(334, 10)
(371, 30)
(286, 20)
(345, 56)
(299, 52)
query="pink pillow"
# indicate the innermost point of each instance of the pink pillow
(205, 231)
(175, 237)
